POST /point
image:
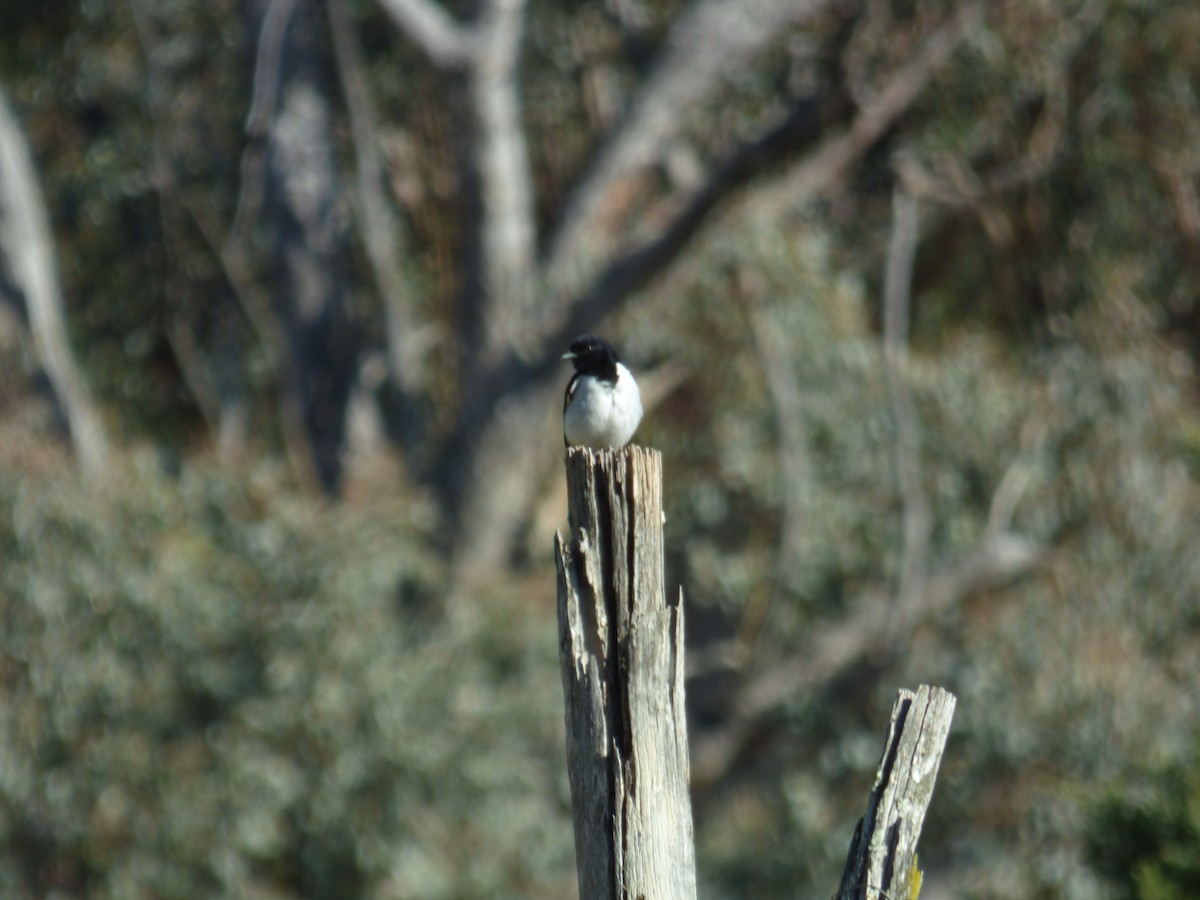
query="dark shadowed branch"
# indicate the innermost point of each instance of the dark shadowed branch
(805, 123)
(304, 215)
(822, 169)
(433, 30)
(808, 121)
(712, 40)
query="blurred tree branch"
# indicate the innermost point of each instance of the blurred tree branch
(500, 295)
(709, 43)
(27, 252)
(795, 464)
(381, 232)
(218, 391)
(822, 169)
(880, 620)
(499, 259)
(794, 461)
(433, 30)
(632, 269)
(897, 307)
(505, 372)
(265, 87)
(873, 627)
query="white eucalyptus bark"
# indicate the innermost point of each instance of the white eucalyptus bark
(27, 248)
(501, 161)
(486, 53)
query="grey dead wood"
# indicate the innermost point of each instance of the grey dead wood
(621, 649)
(883, 849)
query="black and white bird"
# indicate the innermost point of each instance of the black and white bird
(602, 406)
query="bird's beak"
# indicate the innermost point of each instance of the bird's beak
(567, 355)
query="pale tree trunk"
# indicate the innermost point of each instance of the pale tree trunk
(500, 160)
(27, 251)
(498, 261)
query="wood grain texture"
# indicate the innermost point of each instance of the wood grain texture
(880, 862)
(621, 647)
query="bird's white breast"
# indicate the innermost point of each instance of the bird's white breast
(601, 414)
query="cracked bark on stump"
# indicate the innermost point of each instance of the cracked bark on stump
(621, 649)
(883, 850)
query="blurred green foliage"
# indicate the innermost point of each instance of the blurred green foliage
(214, 686)
(1075, 672)
(213, 689)
(140, 164)
(1145, 830)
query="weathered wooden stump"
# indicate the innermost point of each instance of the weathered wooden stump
(621, 647)
(881, 861)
